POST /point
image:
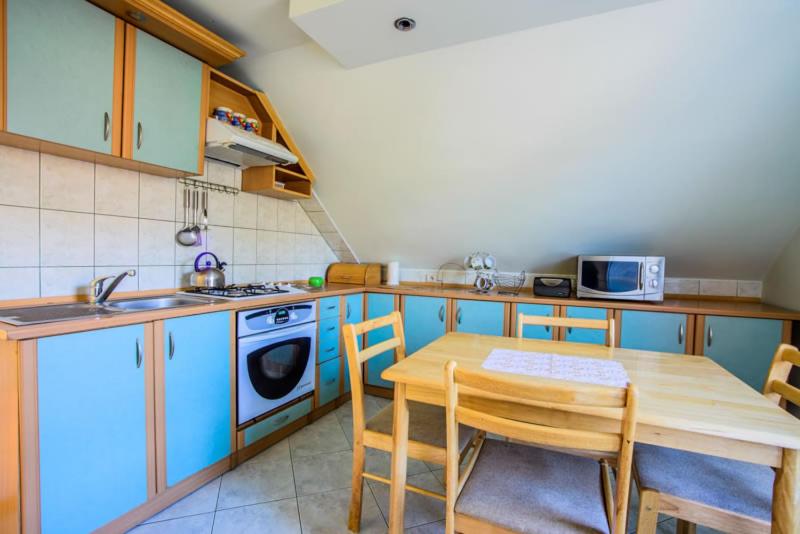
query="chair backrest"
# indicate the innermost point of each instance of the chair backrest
(356, 356)
(568, 322)
(776, 386)
(485, 400)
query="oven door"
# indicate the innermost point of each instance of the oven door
(274, 368)
(611, 276)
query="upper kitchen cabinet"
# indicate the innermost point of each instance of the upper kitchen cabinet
(164, 106)
(64, 73)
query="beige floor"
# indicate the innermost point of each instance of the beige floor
(301, 485)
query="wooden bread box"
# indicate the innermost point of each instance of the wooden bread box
(362, 274)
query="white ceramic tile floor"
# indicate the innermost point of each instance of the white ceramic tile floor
(302, 485)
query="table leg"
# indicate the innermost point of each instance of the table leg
(397, 489)
(786, 495)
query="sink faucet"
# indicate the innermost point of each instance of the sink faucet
(98, 296)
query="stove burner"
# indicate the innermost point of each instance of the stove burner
(239, 291)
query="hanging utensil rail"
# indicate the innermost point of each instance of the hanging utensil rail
(209, 186)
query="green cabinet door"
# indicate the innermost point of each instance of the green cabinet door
(586, 335)
(197, 394)
(533, 331)
(60, 72)
(353, 313)
(166, 106)
(743, 346)
(92, 428)
(378, 305)
(423, 321)
(657, 331)
(480, 317)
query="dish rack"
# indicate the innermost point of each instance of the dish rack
(509, 284)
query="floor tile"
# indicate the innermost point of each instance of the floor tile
(323, 472)
(201, 501)
(327, 513)
(429, 528)
(278, 516)
(380, 463)
(267, 477)
(195, 524)
(439, 474)
(324, 435)
(419, 509)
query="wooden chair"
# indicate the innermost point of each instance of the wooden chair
(724, 494)
(568, 322)
(427, 438)
(513, 487)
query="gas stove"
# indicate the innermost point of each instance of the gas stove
(244, 291)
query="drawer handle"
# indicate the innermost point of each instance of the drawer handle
(282, 419)
(139, 135)
(680, 334)
(347, 313)
(330, 349)
(171, 346)
(547, 328)
(332, 307)
(441, 313)
(106, 126)
(331, 328)
(138, 354)
(710, 335)
(458, 316)
(329, 382)
(569, 330)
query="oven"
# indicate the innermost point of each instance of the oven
(621, 277)
(276, 355)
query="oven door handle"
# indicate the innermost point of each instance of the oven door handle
(280, 335)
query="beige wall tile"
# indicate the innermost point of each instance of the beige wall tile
(58, 281)
(220, 242)
(244, 246)
(244, 274)
(284, 273)
(266, 247)
(19, 282)
(116, 191)
(303, 248)
(116, 240)
(310, 204)
(183, 274)
(67, 240)
(749, 288)
(245, 210)
(156, 277)
(19, 177)
(220, 208)
(682, 286)
(220, 173)
(266, 273)
(19, 237)
(334, 241)
(321, 220)
(157, 198)
(67, 184)
(285, 249)
(723, 288)
(156, 242)
(286, 209)
(302, 224)
(267, 213)
(185, 255)
(129, 283)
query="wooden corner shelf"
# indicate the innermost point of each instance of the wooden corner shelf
(287, 182)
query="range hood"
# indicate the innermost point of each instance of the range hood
(230, 144)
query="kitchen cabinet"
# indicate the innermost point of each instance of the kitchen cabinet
(585, 335)
(424, 320)
(328, 339)
(657, 331)
(353, 313)
(329, 373)
(329, 307)
(197, 395)
(165, 108)
(743, 346)
(532, 331)
(378, 305)
(480, 317)
(61, 59)
(92, 427)
(275, 422)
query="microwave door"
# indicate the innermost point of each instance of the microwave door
(621, 278)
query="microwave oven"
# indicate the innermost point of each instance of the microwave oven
(621, 277)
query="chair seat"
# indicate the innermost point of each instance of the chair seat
(426, 424)
(739, 487)
(533, 490)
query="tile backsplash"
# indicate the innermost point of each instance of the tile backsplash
(63, 222)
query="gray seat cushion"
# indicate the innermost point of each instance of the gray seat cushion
(426, 423)
(740, 487)
(528, 489)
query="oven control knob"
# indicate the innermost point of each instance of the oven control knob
(653, 283)
(654, 269)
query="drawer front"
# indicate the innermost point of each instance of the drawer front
(276, 422)
(586, 335)
(328, 307)
(328, 345)
(329, 381)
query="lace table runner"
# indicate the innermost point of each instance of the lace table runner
(556, 366)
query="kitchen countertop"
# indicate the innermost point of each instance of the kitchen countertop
(691, 306)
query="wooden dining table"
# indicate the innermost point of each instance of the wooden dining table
(685, 402)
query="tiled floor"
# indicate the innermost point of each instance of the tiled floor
(302, 485)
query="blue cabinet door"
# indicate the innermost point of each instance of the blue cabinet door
(657, 331)
(328, 339)
(379, 305)
(329, 381)
(197, 393)
(92, 433)
(424, 321)
(532, 331)
(353, 313)
(480, 317)
(586, 335)
(743, 346)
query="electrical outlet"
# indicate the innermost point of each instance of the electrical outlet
(430, 277)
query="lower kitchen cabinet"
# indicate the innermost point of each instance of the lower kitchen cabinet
(657, 331)
(92, 427)
(586, 335)
(275, 422)
(743, 346)
(424, 320)
(532, 331)
(328, 385)
(197, 394)
(378, 305)
(480, 317)
(328, 339)
(353, 313)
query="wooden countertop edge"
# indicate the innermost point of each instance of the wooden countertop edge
(700, 307)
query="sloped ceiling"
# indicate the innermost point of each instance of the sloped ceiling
(669, 128)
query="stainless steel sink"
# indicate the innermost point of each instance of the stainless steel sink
(155, 303)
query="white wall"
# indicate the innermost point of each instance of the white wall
(782, 285)
(669, 128)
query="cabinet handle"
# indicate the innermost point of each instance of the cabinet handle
(547, 328)
(710, 335)
(106, 126)
(139, 135)
(331, 328)
(282, 418)
(569, 330)
(441, 313)
(680, 333)
(330, 349)
(330, 381)
(138, 354)
(458, 316)
(171, 346)
(347, 313)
